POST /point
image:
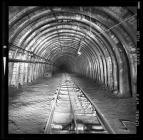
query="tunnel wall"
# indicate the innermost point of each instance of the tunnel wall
(44, 38)
(24, 73)
(24, 68)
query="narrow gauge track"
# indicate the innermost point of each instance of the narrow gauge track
(72, 112)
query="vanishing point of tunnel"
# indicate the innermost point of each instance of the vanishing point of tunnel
(72, 70)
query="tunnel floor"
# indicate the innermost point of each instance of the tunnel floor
(29, 107)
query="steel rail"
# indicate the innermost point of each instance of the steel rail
(102, 124)
(97, 114)
(100, 116)
(74, 117)
(48, 127)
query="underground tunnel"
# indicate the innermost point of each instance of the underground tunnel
(72, 70)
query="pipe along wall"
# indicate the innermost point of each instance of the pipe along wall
(48, 39)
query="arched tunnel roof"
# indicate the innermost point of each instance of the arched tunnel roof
(55, 35)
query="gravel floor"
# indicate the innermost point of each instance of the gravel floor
(29, 108)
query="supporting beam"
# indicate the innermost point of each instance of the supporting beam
(27, 61)
(56, 27)
(12, 45)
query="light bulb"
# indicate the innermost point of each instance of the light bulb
(79, 53)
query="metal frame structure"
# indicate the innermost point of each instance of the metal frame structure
(38, 31)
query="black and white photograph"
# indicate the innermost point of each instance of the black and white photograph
(72, 69)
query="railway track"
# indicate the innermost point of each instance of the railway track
(72, 112)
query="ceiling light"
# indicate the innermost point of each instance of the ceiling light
(79, 53)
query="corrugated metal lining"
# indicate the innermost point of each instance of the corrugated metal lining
(47, 37)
